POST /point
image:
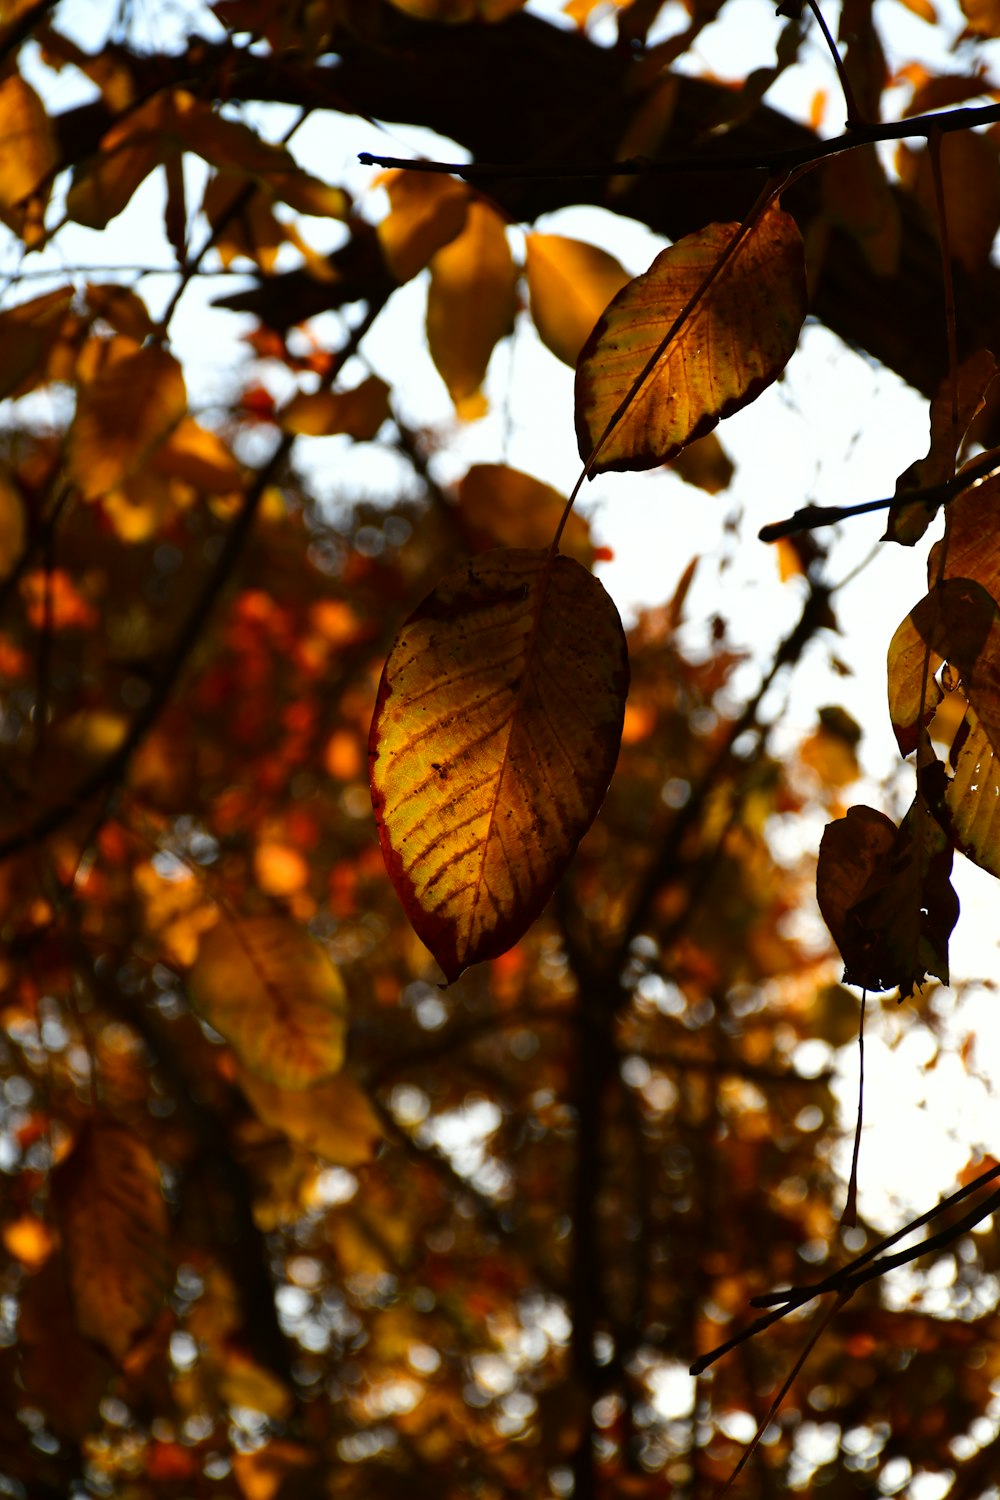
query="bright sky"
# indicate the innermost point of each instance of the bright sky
(834, 430)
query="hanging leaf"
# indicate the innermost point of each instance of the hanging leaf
(705, 464)
(735, 340)
(128, 408)
(426, 212)
(270, 989)
(500, 505)
(907, 523)
(114, 1228)
(61, 1371)
(470, 306)
(970, 177)
(570, 283)
(886, 895)
(335, 1119)
(13, 530)
(496, 731)
(983, 17)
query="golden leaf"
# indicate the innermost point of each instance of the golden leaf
(470, 305)
(570, 283)
(28, 334)
(269, 988)
(735, 340)
(334, 1118)
(27, 159)
(359, 413)
(130, 406)
(503, 505)
(495, 734)
(426, 213)
(114, 1228)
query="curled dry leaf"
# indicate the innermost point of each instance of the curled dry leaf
(270, 989)
(732, 340)
(114, 1227)
(496, 731)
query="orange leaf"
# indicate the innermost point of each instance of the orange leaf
(131, 405)
(496, 731)
(735, 340)
(570, 283)
(28, 334)
(426, 213)
(114, 1226)
(27, 158)
(272, 992)
(334, 1118)
(470, 305)
(359, 413)
(12, 526)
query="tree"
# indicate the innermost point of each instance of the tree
(281, 1216)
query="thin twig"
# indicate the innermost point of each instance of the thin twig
(854, 115)
(638, 166)
(813, 517)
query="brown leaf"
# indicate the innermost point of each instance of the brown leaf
(907, 523)
(335, 1118)
(359, 413)
(132, 404)
(500, 505)
(27, 159)
(115, 1230)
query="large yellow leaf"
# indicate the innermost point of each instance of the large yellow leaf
(130, 406)
(495, 734)
(570, 283)
(728, 347)
(470, 305)
(334, 1118)
(114, 1228)
(276, 997)
(27, 158)
(426, 212)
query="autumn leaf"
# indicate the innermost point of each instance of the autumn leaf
(908, 522)
(130, 406)
(28, 334)
(334, 1118)
(426, 212)
(957, 622)
(886, 896)
(495, 734)
(470, 305)
(27, 159)
(359, 412)
(732, 339)
(12, 526)
(114, 1227)
(504, 506)
(570, 283)
(269, 988)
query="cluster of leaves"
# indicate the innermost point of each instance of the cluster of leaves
(280, 1216)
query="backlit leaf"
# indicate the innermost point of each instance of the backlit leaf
(426, 212)
(359, 413)
(27, 158)
(958, 622)
(272, 992)
(970, 174)
(570, 283)
(12, 526)
(983, 16)
(334, 1118)
(495, 734)
(733, 343)
(907, 523)
(28, 334)
(470, 305)
(120, 306)
(705, 464)
(127, 410)
(114, 1227)
(501, 505)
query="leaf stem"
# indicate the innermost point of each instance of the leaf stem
(854, 116)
